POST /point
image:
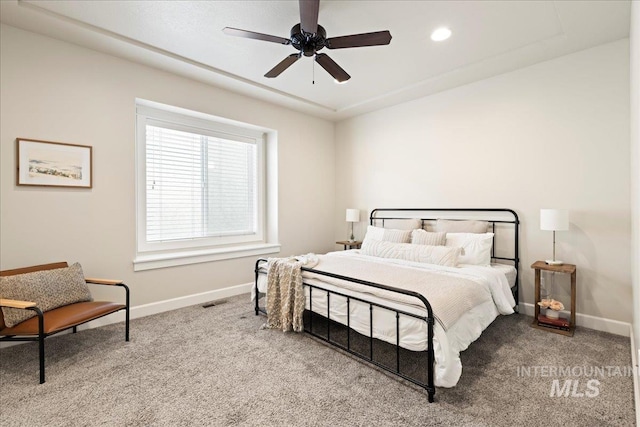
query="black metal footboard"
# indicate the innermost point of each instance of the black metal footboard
(428, 385)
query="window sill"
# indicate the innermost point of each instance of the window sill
(154, 261)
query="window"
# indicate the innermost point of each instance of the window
(200, 187)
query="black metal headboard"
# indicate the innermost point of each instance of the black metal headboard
(496, 218)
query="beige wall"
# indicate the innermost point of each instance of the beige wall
(635, 166)
(553, 135)
(56, 91)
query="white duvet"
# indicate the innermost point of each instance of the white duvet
(413, 332)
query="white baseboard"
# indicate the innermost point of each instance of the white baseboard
(160, 307)
(587, 321)
(170, 304)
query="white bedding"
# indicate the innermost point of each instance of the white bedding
(413, 332)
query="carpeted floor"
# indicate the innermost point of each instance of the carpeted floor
(214, 366)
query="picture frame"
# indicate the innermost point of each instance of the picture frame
(53, 164)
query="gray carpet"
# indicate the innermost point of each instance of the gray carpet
(214, 366)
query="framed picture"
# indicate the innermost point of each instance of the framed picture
(53, 164)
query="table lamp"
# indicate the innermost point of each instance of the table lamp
(554, 220)
(353, 215)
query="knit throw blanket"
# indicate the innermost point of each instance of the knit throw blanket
(285, 295)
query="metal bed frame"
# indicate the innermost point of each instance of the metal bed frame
(378, 216)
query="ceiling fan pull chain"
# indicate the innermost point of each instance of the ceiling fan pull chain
(313, 71)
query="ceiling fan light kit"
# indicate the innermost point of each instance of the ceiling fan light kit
(308, 38)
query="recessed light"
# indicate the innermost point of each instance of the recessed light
(440, 34)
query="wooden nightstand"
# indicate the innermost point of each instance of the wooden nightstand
(349, 245)
(563, 268)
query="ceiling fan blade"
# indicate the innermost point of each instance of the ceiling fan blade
(283, 65)
(332, 68)
(359, 40)
(309, 15)
(253, 35)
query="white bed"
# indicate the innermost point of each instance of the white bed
(497, 280)
(423, 276)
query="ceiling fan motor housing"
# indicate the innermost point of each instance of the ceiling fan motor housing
(308, 43)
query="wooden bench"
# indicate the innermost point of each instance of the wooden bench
(48, 323)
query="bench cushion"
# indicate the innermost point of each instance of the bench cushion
(65, 317)
(49, 289)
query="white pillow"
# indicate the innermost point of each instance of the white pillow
(403, 224)
(476, 247)
(423, 237)
(440, 255)
(387, 235)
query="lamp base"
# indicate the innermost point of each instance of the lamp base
(554, 262)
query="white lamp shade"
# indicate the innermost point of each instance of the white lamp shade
(353, 215)
(554, 219)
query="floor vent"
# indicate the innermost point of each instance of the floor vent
(213, 303)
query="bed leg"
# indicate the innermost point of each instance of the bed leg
(257, 307)
(256, 270)
(431, 394)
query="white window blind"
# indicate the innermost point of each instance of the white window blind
(201, 186)
(198, 185)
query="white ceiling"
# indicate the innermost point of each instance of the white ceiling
(185, 37)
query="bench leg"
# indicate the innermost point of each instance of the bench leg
(126, 322)
(41, 337)
(126, 327)
(75, 329)
(41, 356)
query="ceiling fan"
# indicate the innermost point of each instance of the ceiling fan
(308, 38)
